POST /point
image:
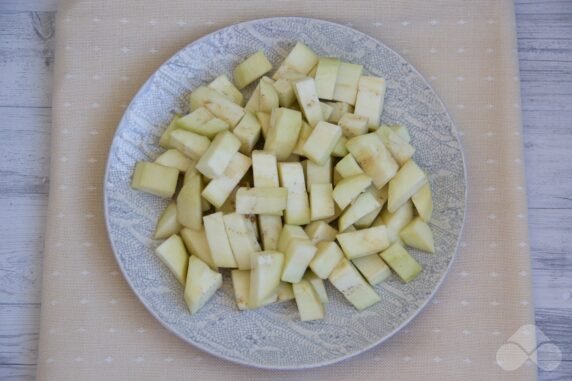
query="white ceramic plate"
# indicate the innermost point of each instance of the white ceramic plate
(274, 337)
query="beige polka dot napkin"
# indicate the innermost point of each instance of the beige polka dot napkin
(94, 328)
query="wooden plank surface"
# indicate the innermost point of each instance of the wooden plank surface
(26, 61)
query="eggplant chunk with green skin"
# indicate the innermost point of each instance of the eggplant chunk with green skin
(173, 254)
(395, 222)
(270, 227)
(223, 85)
(197, 245)
(418, 234)
(328, 254)
(297, 257)
(373, 268)
(191, 144)
(347, 82)
(301, 59)
(309, 305)
(217, 157)
(423, 202)
(326, 74)
(351, 284)
(321, 202)
(305, 90)
(353, 125)
(265, 169)
(167, 224)
(319, 231)
(266, 269)
(321, 142)
(189, 210)
(401, 262)
(155, 179)
(219, 189)
(399, 148)
(408, 180)
(372, 156)
(364, 204)
(348, 189)
(363, 242)
(248, 132)
(202, 283)
(297, 204)
(369, 100)
(242, 238)
(268, 201)
(251, 69)
(317, 174)
(285, 125)
(217, 239)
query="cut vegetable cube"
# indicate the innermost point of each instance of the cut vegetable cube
(363, 242)
(292, 76)
(241, 287)
(155, 179)
(217, 157)
(242, 238)
(328, 254)
(372, 156)
(305, 132)
(318, 285)
(248, 132)
(217, 239)
(167, 224)
(270, 227)
(297, 257)
(219, 189)
(321, 142)
(401, 131)
(347, 83)
(367, 220)
(307, 301)
(408, 180)
(189, 210)
(251, 69)
(265, 276)
(317, 174)
(401, 262)
(264, 169)
(418, 234)
(193, 121)
(288, 234)
(340, 149)
(253, 101)
(197, 245)
(373, 268)
(264, 119)
(211, 128)
(395, 222)
(364, 204)
(285, 125)
(191, 144)
(353, 125)
(203, 95)
(297, 207)
(327, 110)
(348, 189)
(340, 109)
(326, 74)
(399, 148)
(173, 254)
(190, 172)
(348, 167)
(321, 201)
(351, 284)
(301, 59)
(319, 231)
(202, 283)
(369, 102)
(423, 202)
(312, 72)
(305, 90)
(165, 140)
(226, 110)
(285, 91)
(268, 99)
(268, 201)
(223, 85)
(284, 292)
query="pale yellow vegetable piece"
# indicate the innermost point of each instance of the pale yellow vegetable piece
(321, 142)
(348, 167)
(301, 59)
(217, 157)
(319, 231)
(292, 76)
(218, 241)
(327, 110)
(321, 201)
(353, 125)
(269, 200)
(202, 95)
(373, 268)
(372, 156)
(328, 254)
(270, 227)
(326, 74)
(155, 179)
(318, 285)
(351, 284)
(253, 101)
(266, 269)
(395, 222)
(347, 83)
(284, 292)
(264, 169)
(251, 69)
(297, 257)
(264, 119)
(418, 234)
(190, 172)
(312, 72)
(317, 174)
(348, 189)
(219, 189)
(165, 140)
(189, 210)
(363, 242)
(223, 85)
(193, 121)
(202, 284)
(297, 207)
(242, 238)
(268, 99)
(367, 220)
(286, 96)
(340, 149)
(364, 204)
(248, 132)
(173, 254)
(401, 262)
(191, 144)
(339, 109)
(399, 148)
(305, 90)
(197, 245)
(226, 110)
(211, 128)
(369, 102)
(423, 202)
(307, 301)
(281, 138)
(167, 224)
(305, 132)
(241, 287)
(401, 131)
(408, 180)
(288, 234)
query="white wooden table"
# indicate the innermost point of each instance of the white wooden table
(26, 63)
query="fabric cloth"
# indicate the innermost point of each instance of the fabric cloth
(94, 328)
